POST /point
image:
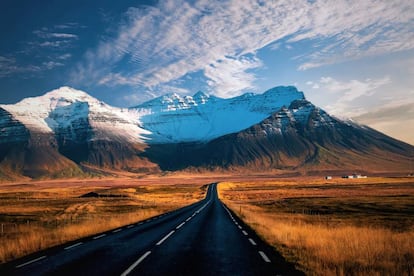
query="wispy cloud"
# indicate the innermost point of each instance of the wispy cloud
(45, 34)
(229, 76)
(64, 56)
(9, 66)
(69, 25)
(348, 93)
(221, 38)
(51, 64)
(49, 39)
(47, 50)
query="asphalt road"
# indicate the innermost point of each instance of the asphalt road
(204, 238)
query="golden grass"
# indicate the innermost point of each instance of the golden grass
(31, 238)
(35, 217)
(339, 241)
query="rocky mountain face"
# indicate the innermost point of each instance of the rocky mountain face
(300, 137)
(66, 132)
(201, 118)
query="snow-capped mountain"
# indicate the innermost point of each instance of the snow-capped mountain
(73, 115)
(201, 118)
(65, 128)
(66, 132)
(300, 138)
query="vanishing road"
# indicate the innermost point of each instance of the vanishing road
(204, 238)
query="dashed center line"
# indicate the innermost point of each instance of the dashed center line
(73, 245)
(252, 241)
(264, 257)
(166, 237)
(30, 262)
(188, 219)
(137, 262)
(179, 226)
(98, 237)
(130, 226)
(244, 233)
(240, 227)
(117, 230)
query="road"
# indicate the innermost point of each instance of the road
(204, 238)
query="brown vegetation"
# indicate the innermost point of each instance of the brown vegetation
(38, 215)
(335, 227)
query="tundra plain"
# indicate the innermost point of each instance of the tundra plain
(332, 227)
(41, 214)
(338, 226)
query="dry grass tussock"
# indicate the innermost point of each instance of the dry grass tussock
(321, 246)
(27, 239)
(37, 217)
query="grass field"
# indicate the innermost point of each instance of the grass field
(333, 227)
(38, 215)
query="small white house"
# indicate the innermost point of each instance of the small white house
(354, 176)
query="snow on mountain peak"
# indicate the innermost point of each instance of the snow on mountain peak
(67, 110)
(200, 118)
(173, 101)
(68, 93)
(171, 118)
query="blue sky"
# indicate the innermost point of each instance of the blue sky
(354, 58)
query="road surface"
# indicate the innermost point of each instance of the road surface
(204, 238)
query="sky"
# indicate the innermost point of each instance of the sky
(353, 58)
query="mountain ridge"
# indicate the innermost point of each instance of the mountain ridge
(66, 132)
(174, 119)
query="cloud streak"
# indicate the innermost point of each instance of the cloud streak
(161, 44)
(9, 66)
(347, 94)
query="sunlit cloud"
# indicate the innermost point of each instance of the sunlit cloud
(348, 93)
(164, 43)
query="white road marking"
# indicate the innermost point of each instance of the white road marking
(140, 223)
(30, 262)
(244, 233)
(179, 226)
(188, 219)
(130, 226)
(117, 230)
(137, 262)
(98, 237)
(240, 227)
(166, 237)
(73, 245)
(252, 242)
(265, 258)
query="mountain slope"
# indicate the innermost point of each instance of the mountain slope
(299, 137)
(201, 118)
(55, 133)
(67, 133)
